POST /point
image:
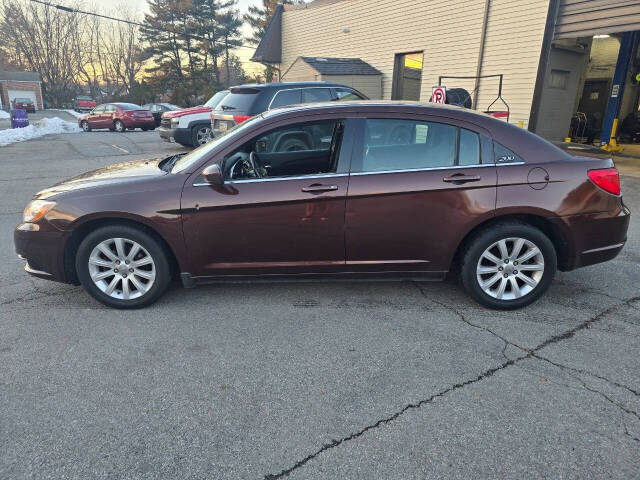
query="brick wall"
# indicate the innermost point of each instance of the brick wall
(6, 85)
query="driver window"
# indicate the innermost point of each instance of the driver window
(309, 148)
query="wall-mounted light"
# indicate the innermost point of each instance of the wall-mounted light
(346, 30)
(602, 36)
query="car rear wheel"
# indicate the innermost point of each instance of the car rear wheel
(200, 134)
(123, 267)
(85, 126)
(508, 266)
(119, 126)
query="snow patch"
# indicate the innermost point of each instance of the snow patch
(46, 126)
(4, 114)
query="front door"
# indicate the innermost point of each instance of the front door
(94, 118)
(415, 187)
(280, 210)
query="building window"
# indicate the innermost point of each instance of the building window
(407, 76)
(559, 79)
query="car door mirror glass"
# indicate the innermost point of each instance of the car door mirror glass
(213, 175)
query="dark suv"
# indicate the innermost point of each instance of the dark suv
(245, 101)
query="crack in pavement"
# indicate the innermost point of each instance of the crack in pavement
(486, 374)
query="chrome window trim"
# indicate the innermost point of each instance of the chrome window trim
(452, 167)
(276, 179)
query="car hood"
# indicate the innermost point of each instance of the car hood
(113, 174)
(186, 111)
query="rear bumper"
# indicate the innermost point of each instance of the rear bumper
(43, 251)
(597, 237)
(135, 123)
(179, 135)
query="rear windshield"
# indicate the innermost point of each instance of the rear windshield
(82, 97)
(216, 99)
(23, 100)
(129, 106)
(239, 100)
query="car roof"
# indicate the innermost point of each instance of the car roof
(280, 85)
(527, 145)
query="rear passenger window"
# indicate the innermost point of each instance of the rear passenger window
(504, 155)
(286, 97)
(342, 94)
(391, 144)
(313, 95)
(469, 151)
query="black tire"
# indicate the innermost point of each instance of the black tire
(144, 129)
(85, 126)
(475, 248)
(198, 135)
(119, 127)
(148, 242)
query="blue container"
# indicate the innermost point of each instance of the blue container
(19, 118)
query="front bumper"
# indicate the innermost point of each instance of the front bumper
(178, 135)
(43, 250)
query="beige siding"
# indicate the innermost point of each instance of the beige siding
(370, 85)
(300, 71)
(513, 45)
(449, 36)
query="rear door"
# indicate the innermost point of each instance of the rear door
(417, 186)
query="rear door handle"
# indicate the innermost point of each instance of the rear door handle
(459, 179)
(317, 188)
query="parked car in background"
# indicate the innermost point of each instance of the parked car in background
(431, 189)
(118, 117)
(84, 103)
(190, 127)
(157, 109)
(24, 104)
(245, 101)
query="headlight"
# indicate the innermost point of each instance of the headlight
(175, 122)
(36, 209)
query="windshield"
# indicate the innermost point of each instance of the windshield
(216, 99)
(240, 99)
(195, 156)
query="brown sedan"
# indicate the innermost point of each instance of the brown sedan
(363, 189)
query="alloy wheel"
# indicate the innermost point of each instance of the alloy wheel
(510, 268)
(122, 268)
(119, 126)
(203, 135)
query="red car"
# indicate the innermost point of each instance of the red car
(24, 104)
(118, 117)
(84, 103)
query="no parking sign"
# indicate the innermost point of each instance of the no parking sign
(439, 94)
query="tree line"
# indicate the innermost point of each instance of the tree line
(182, 51)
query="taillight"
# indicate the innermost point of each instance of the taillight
(607, 179)
(241, 118)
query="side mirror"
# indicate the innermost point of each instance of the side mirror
(213, 175)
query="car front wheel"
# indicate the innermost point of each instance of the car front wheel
(508, 266)
(119, 126)
(85, 126)
(200, 135)
(123, 267)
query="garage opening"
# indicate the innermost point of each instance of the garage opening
(407, 76)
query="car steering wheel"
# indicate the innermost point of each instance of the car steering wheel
(254, 165)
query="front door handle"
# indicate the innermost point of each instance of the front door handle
(460, 178)
(318, 188)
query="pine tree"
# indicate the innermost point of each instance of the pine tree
(230, 24)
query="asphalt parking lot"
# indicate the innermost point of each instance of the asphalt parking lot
(327, 381)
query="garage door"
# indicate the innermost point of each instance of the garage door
(584, 18)
(30, 94)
